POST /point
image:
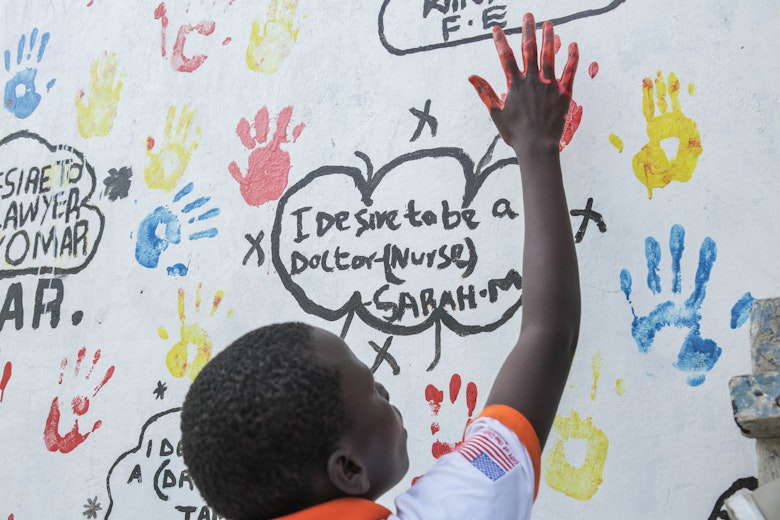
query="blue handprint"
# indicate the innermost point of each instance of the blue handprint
(20, 97)
(150, 245)
(697, 355)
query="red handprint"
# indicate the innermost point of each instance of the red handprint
(434, 396)
(4, 379)
(79, 404)
(269, 165)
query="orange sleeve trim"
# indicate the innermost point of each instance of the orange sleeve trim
(517, 422)
(353, 508)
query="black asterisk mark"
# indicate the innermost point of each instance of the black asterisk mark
(382, 354)
(425, 118)
(118, 183)
(587, 215)
(91, 508)
(255, 247)
(159, 392)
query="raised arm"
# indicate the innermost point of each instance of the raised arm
(530, 119)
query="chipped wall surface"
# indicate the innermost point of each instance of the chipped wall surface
(176, 173)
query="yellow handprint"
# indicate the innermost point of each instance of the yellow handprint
(178, 357)
(651, 165)
(579, 482)
(96, 117)
(167, 165)
(267, 51)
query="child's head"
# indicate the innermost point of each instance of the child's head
(287, 417)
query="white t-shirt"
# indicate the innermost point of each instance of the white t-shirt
(491, 475)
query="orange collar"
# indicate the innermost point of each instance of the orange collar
(352, 508)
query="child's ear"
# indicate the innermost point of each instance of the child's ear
(347, 473)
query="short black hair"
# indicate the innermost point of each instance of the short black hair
(259, 423)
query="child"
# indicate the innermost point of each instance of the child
(287, 423)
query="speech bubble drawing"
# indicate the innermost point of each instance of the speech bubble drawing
(409, 26)
(151, 480)
(47, 223)
(346, 242)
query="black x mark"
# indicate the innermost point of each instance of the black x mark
(425, 117)
(587, 215)
(382, 354)
(255, 248)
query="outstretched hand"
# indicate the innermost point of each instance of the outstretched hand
(533, 111)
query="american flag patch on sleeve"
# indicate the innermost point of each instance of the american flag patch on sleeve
(489, 453)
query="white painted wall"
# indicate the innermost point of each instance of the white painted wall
(670, 448)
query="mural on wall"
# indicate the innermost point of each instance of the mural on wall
(192, 335)
(697, 354)
(153, 474)
(20, 95)
(268, 49)
(579, 480)
(426, 240)
(651, 164)
(269, 165)
(366, 230)
(79, 404)
(49, 225)
(151, 242)
(96, 113)
(404, 28)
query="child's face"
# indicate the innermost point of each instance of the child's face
(376, 430)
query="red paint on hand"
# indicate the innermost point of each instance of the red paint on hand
(66, 443)
(573, 118)
(269, 166)
(5, 378)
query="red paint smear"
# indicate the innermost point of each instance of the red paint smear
(95, 359)
(434, 396)
(269, 166)
(414, 481)
(80, 405)
(439, 449)
(471, 397)
(90, 3)
(556, 43)
(4, 380)
(149, 143)
(63, 443)
(159, 14)
(181, 62)
(573, 118)
(109, 373)
(593, 69)
(79, 359)
(435, 428)
(11, 516)
(227, 40)
(455, 383)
